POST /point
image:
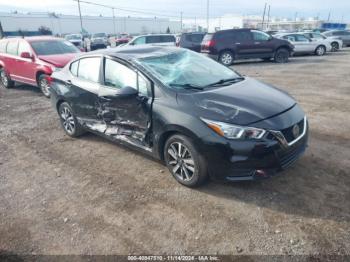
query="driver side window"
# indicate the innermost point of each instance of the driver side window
(119, 76)
(260, 36)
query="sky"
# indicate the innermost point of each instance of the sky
(340, 9)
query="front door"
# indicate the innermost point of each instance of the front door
(126, 113)
(27, 65)
(262, 45)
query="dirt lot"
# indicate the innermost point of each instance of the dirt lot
(60, 195)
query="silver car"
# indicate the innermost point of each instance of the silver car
(161, 39)
(335, 41)
(305, 45)
(342, 34)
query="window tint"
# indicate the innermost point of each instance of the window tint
(196, 38)
(74, 68)
(3, 46)
(153, 39)
(12, 47)
(23, 47)
(140, 41)
(52, 47)
(260, 36)
(242, 36)
(118, 76)
(301, 38)
(167, 38)
(89, 68)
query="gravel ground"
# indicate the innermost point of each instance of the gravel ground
(60, 195)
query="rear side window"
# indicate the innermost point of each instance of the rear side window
(167, 38)
(12, 48)
(3, 45)
(242, 36)
(195, 38)
(89, 68)
(74, 68)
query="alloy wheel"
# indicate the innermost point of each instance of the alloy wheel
(44, 86)
(181, 162)
(335, 46)
(226, 59)
(4, 79)
(320, 50)
(68, 121)
(281, 57)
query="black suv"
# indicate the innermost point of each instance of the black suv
(191, 41)
(227, 45)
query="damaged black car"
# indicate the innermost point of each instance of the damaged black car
(199, 117)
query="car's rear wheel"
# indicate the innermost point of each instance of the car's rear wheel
(5, 79)
(281, 55)
(69, 122)
(226, 58)
(320, 50)
(335, 46)
(184, 162)
(44, 85)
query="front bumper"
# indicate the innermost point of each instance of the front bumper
(251, 160)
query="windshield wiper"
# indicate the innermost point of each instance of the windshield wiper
(187, 86)
(228, 80)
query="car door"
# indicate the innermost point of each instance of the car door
(262, 45)
(306, 44)
(82, 90)
(11, 59)
(242, 42)
(125, 102)
(27, 65)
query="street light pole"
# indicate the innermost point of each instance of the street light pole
(81, 20)
(114, 27)
(207, 16)
(263, 18)
(181, 21)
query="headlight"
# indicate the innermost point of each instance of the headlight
(234, 132)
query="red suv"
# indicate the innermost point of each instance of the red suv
(31, 60)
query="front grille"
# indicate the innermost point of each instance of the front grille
(288, 156)
(288, 132)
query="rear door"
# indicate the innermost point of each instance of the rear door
(242, 42)
(128, 117)
(12, 58)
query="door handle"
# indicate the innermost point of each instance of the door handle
(105, 98)
(69, 82)
(237, 43)
(257, 43)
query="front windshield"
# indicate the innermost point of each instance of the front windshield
(73, 37)
(99, 35)
(53, 47)
(186, 68)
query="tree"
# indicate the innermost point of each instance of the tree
(44, 30)
(168, 30)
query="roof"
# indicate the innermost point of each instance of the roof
(33, 38)
(137, 52)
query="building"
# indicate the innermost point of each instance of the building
(67, 24)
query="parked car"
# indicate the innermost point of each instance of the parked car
(199, 117)
(228, 45)
(335, 42)
(342, 34)
(119, 39)
(304, 44)
(30, 60)
(161, 39)
(99, 40)
(191, 41)
(75, 39)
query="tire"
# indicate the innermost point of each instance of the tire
(281, 56)
(69, 122)
(320, 50)
(335, 46)
(226, 58)
(5, 79)
(44, 85)
(184, 161)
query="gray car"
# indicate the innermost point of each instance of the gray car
(335, 41)
(342, 34)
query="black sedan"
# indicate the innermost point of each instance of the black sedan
(199, 117)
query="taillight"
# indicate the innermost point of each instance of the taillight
(211, 43)
(206, 45)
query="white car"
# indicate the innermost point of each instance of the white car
(160, 39)
(305, 45)
(75, 39)
(335, 41)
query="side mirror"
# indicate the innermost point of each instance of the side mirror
(26, 55)
(127, 91)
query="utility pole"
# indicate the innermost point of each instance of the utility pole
(263, 18)
(81, 20)
(181, 21)
(268, 18)
(329, 16)
(207, 16)
(195, 23)
(114, 27)
(295, 16)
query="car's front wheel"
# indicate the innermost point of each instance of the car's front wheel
(5, 79)
(184, 162)
(226, 58)
(320, 50)
(335, 46)
(44, 85)
(69, 122)
(281, 55)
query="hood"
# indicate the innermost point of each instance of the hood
(242, 103)
(58, 60)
